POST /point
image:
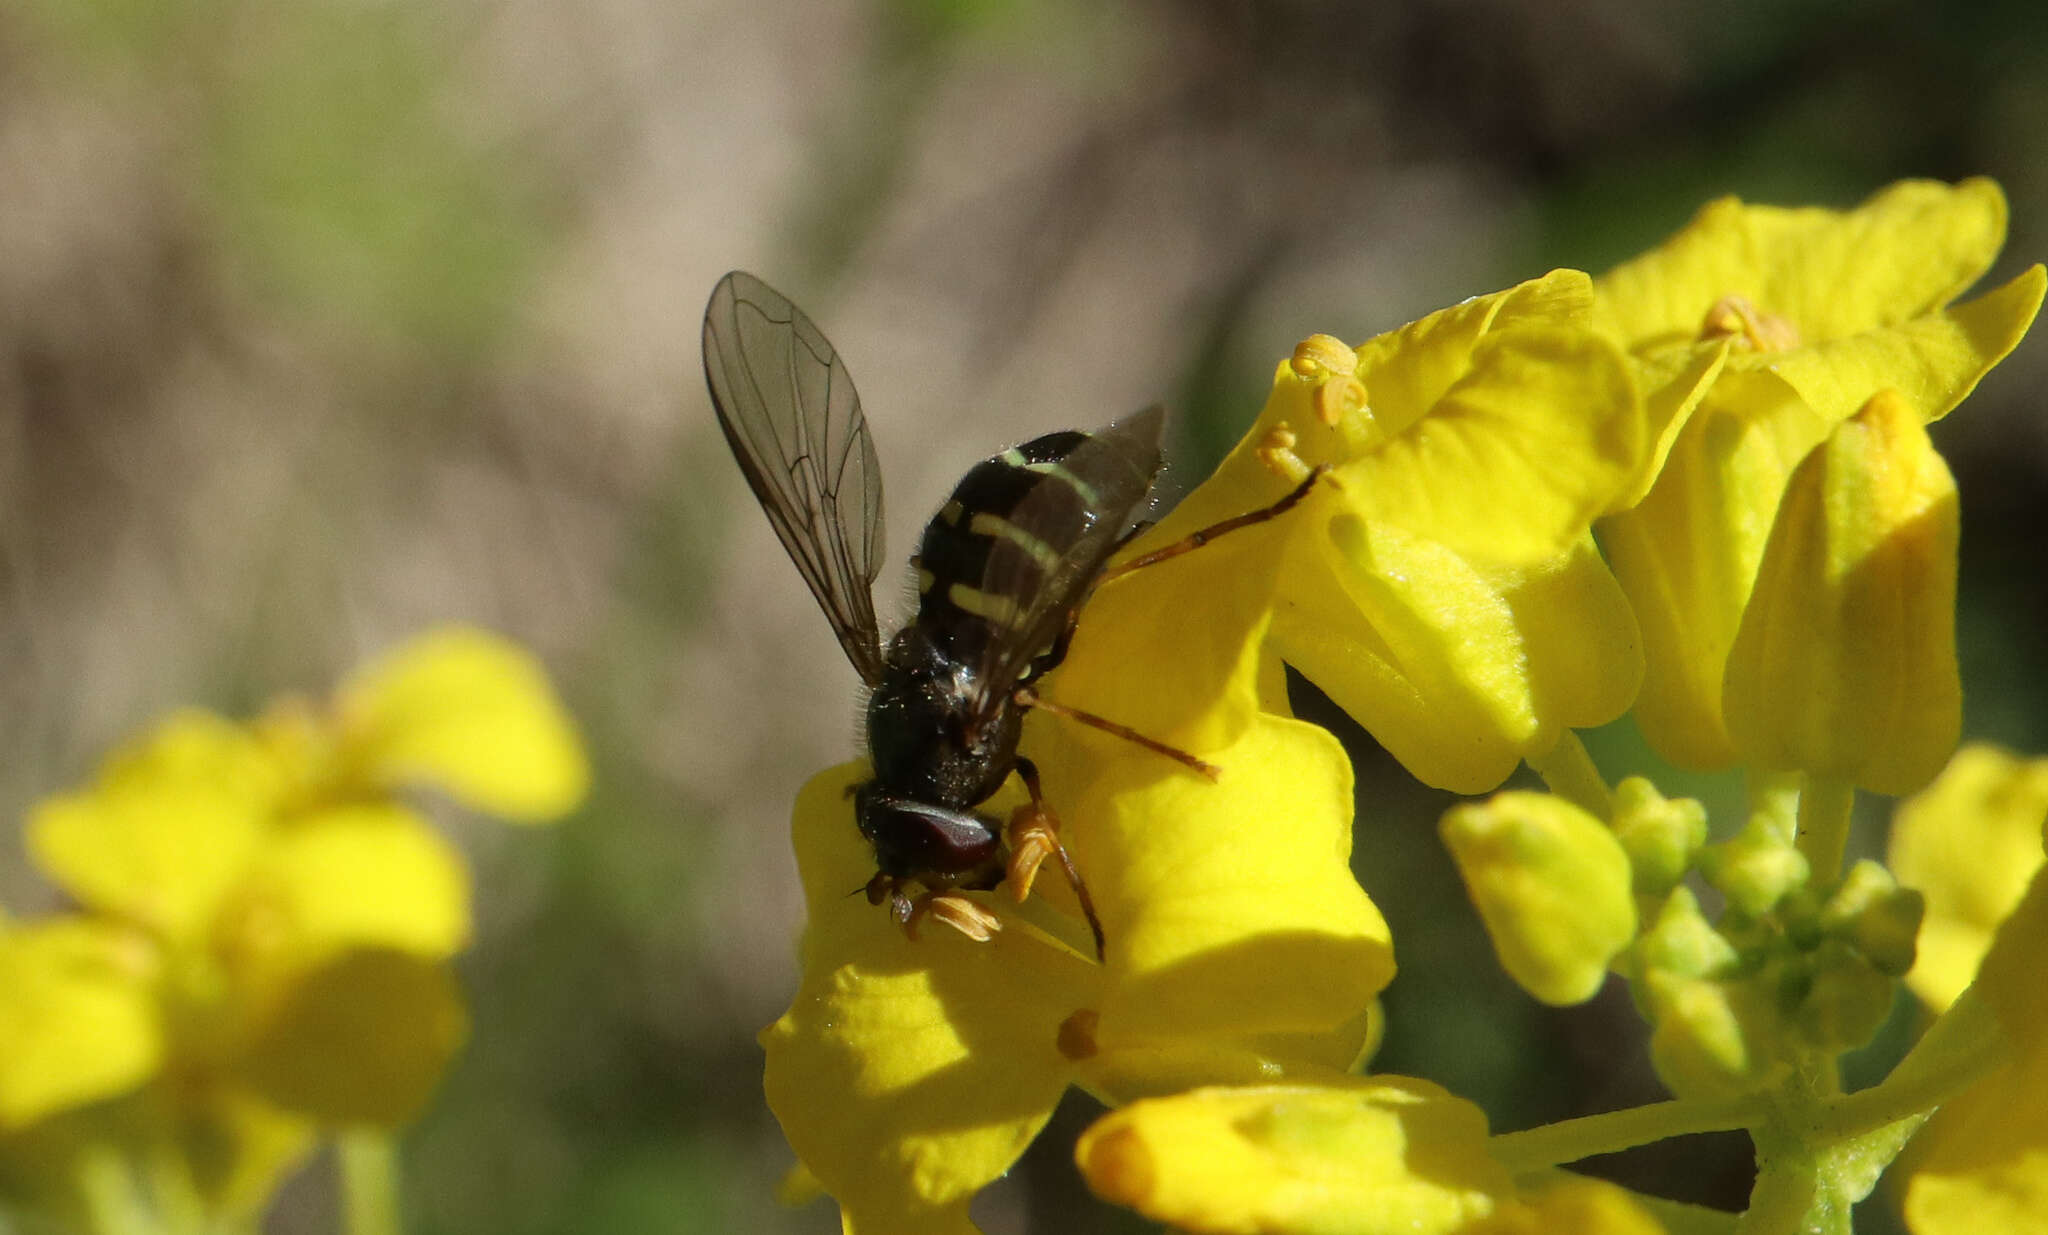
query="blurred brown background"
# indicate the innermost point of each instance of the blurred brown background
(323, 321)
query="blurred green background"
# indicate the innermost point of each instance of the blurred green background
(323, 321)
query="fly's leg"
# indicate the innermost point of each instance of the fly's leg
(1195, 540)
(909, 910)
(1025, 697)
(1033, 836)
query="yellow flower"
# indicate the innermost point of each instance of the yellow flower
(1440, 585)
(1969, 842)
(1844, 664)
(1361, 1155)
(1981, 1164)
(907, 1074)
(263, 938)
(1807, 313)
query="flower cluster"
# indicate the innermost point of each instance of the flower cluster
(1699, 489)
(260, 947)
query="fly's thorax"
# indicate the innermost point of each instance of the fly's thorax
(918, 729)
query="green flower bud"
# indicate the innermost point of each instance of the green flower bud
(1661, 834)
(1712, 1039)
(1683, 943)
(1873, 914)
(1847, 999)
(1756, 868)
(1553, 887)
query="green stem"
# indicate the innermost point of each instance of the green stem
(369, 1182)
(1824, 810)
(113, 1205)
(1570, 1140)
(1571, 774)
(1958, 1050)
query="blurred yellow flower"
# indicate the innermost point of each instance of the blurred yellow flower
(1801, 316)
(1969, 842)
(907, 1074)
(1981, 1164)
(1440, 585)
(263, 931)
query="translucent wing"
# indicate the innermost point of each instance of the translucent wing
(1072, 523)
(789, 410)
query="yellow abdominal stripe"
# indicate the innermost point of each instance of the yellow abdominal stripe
(1000, 610)
(998, 528)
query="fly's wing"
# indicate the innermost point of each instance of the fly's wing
(1069, 524)
(792, 417)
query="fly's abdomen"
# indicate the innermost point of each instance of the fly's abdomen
(959, 611)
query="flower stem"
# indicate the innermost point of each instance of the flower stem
(1571, 774)
(369, 1182)
(1960, 1047)
(112, 1202)
(1824, 810)
(1573, 1139)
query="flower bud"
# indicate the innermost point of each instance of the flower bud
(1874, 915)
(1683, 942)
(1553, 887)
(1756, 867)
(1845, 663)
(1661, 834)
(1712, 1039)
(1377, 1157)
(1845, 1001)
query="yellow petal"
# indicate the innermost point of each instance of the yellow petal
(1982, 1164)
(1575, 1204)
(1687, 555)
(1384, 1154)
(1172, 650)
(1552, 885)
(167, 827)
(1229, 907)
(365, 876)
(361, 1040)
(907, 1074)
(1546, 424)
(1415, 643)
(1844, 663)
(1583, 650)
(1969, 842)
(470, 713)
(1673, 386)
(1933, 360)
(78, 1016)
(1907, 250)
(1406, 371)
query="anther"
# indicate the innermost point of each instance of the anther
(1734, 317)
(1322, 355)
(956, 911)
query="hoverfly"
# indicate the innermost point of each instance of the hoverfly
(1002, 571)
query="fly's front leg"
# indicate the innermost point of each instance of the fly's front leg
(909, 910)
(1033, 836)
(1196, 539)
